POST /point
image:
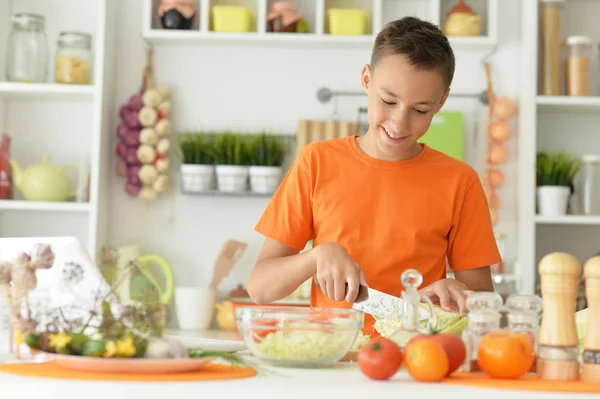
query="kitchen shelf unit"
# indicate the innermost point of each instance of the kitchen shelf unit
(315, 11)
(551, 123)
(61, 121)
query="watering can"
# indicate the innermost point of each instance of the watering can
(139, 287)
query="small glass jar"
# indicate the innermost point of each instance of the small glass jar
(73, 58)
(578, 65)
(590, 184)
(484, 316)
(27, 51)
(524, 318)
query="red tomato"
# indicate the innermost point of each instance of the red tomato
(380, 359)
(259, 333)
(455, 349)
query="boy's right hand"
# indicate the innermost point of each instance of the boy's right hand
(335, 269)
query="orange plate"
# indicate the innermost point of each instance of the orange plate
(125, 365)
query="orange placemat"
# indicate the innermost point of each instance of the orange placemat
(525, 383)
(51, 370)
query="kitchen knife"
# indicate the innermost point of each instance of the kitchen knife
(380, 304)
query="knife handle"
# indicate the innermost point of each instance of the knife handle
(363, 292)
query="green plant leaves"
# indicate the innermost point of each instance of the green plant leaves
(556, 169)
(229, 148)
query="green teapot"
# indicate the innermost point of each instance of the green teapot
(43, 181)
(142, 286)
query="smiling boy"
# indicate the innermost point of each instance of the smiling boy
(382, 203)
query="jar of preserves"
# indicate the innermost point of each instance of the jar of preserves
(73, 58)
(27, 51)
(578, 65)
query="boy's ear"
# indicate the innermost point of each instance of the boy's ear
(365, 77)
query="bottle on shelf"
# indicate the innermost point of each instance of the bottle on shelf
(557, 350)
(591, 342)
(578, 66)
(484, 316)
(550, 23)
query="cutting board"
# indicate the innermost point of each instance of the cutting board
(446, 134)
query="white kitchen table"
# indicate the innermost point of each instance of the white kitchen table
(341, 381)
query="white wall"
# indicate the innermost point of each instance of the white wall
(242, 86)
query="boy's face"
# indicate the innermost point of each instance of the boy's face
(402, 102)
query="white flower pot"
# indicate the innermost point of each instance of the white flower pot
(264, 179)
(232, 178)
(196, 178)
(553, 200)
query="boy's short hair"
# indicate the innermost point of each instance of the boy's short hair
(422, 42)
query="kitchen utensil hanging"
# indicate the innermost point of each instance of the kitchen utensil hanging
(310, 131)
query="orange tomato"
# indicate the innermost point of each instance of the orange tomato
(426, 360)
(380, 359)
(503, 354)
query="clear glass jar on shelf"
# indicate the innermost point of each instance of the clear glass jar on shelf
(27, 51)
(524, 318)
(484, 316)
(73, 64)
(578, 65)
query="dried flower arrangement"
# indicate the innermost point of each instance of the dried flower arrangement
(106, 329)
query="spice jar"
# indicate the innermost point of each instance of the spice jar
(524, 318)
(550, 15)
(27, 52)
(484, 316)
(73, 58)
(578, 65)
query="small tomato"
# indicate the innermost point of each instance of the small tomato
(380, 359)
(504, 354)
(455, 349)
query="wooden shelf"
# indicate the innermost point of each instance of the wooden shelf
(557, 103)
(20, 205)
(45, 91)
(569, 219)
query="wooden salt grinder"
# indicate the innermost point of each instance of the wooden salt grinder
(591, 342)
(557, 352)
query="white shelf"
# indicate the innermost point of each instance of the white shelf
(557, 103)
(379, 12)
(43, 91)
(569, 219)
(19, 205)
(171, 37)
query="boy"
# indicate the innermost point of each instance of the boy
(382, 203)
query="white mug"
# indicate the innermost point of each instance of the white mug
(194, 307)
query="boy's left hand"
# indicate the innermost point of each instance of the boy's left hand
(450, 293)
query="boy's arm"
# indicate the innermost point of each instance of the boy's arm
(478, 279)
(279, 271)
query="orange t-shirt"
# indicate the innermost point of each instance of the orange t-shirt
(390, 216)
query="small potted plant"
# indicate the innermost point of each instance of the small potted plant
(266, 153)
(197, 168)
(555, 174)
(230, 153)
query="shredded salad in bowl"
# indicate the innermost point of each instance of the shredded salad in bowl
(297, 336)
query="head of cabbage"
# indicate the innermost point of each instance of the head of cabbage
(446, 322)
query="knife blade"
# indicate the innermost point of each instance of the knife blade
(380, 304)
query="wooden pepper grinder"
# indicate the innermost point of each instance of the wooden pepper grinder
(591, 342)
(557, 351)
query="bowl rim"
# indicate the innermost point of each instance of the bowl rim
(279, 309)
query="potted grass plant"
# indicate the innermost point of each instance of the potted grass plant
(231, 157)
(197, 168)
(266, 154)
(555, 173)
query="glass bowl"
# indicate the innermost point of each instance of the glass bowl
(302, 337)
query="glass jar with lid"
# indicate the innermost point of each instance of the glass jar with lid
(578, 65)
(73, 58)
(27, 51)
